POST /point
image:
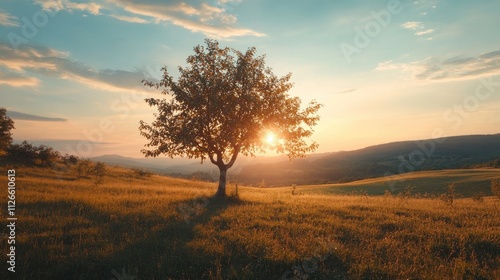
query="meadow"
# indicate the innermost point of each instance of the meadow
(154, 227)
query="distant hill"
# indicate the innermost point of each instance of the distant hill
(377, 161)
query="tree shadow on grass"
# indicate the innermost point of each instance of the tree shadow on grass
(93, 244)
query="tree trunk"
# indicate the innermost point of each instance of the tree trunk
(221, 190)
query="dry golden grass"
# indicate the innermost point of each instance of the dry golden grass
(163, 228)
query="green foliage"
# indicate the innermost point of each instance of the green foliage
(28, 154)
(6, 125)
(222, 105)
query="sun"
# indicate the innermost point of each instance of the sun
(270, 138)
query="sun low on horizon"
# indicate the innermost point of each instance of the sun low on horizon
(384, 71)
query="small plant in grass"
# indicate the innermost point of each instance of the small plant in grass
(387, 194)
(450, 195)
(406, 195)
(495, 187)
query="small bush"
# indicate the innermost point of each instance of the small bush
(83, 168)
(70, 160)
(140, 173)
(98, 172)
(46, 155)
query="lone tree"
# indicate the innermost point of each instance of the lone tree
(227, 103)
(6, 125)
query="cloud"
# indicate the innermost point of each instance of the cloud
(348, 90)
(14, 79)
(57, 5)
(413, 25)
(197, 16)
(49, 62)
(446, 69)
(130, 19)
(213, 20)
(420, 33)
(7, 19)
(418, 27)
(28, 117)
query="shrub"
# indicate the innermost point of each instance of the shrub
(83, 168)
(98, 172)
(28, 154)
(23, 153)
(46, 155)
(141, 173)
(70, 160)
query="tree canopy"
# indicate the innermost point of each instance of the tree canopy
(6, 125)
(224, 104)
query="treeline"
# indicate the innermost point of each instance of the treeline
(31, 155)
(490, 164)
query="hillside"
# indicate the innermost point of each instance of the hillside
(134, 227)
(377, 161)
(346, 166)
(468, 183)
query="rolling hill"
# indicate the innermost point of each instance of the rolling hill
(377, 161)
(338, 167)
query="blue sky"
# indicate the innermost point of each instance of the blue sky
(385, 71)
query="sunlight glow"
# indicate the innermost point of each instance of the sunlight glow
(270, 138)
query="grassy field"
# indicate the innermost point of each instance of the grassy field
(468, 182)
(135, 227)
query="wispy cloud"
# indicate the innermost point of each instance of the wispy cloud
(418, 27)
(348, 90)
(130, 19)
(423, 32)
(413, 25)
(50, 62)
(14, 79)
(28, 117)
(7, 19)
(57, 5)
(212, 20)
(446, 69)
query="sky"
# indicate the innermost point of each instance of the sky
(385, 71)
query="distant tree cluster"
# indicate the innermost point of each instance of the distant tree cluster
(28, 154)
(6, 125)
